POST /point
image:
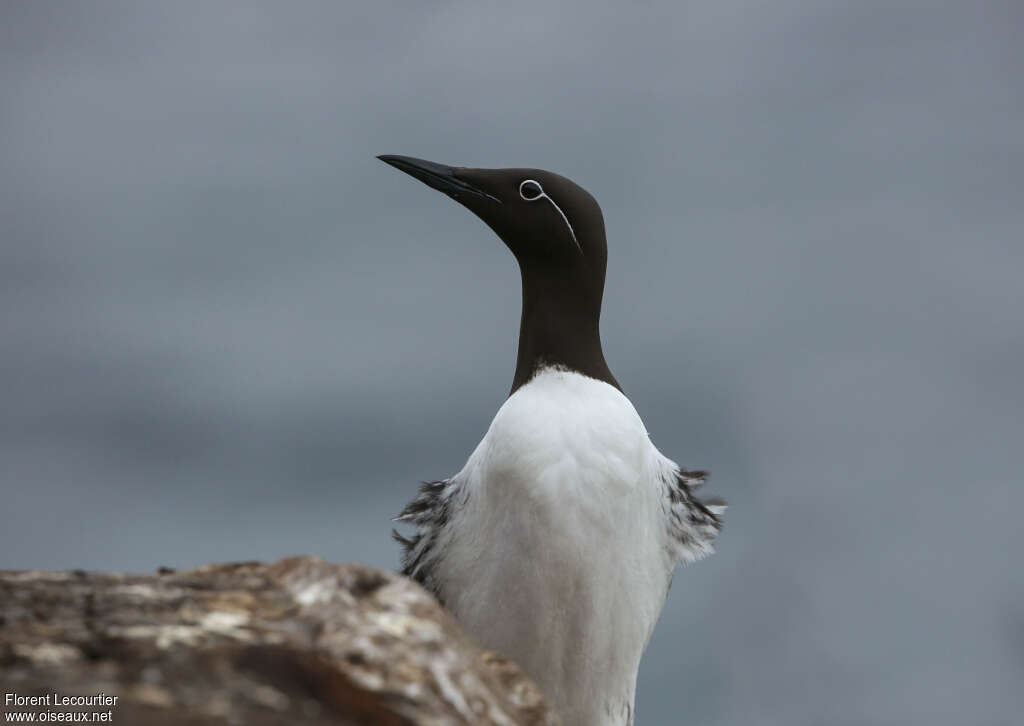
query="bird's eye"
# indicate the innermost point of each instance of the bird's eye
(530, 190)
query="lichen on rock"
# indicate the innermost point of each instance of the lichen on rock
(299, 641)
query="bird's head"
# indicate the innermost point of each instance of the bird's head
(552, 225)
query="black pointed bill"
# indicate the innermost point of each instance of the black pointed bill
(440, 177)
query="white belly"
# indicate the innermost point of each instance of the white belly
(558, 557)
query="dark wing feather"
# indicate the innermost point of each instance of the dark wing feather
(693, 523)
(429, 512)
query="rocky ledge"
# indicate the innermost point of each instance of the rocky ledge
(300, 641)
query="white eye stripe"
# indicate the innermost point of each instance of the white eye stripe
(542, 195)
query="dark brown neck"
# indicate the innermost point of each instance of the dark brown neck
(560, 326)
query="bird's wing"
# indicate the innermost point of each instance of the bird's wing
(693, 523)
(429, 512)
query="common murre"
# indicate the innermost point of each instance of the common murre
(556, 543)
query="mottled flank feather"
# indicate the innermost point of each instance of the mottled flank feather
(693, 524)
(429, 512)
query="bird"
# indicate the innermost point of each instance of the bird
(556, 543)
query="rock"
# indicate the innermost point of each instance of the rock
(300, 641)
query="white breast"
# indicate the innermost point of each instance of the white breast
(558, 554)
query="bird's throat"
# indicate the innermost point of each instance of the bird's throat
(559, 329)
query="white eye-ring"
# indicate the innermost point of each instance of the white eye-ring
(530, 190)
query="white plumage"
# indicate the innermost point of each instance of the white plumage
(555, 544)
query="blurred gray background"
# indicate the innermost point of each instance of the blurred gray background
(228, 332)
